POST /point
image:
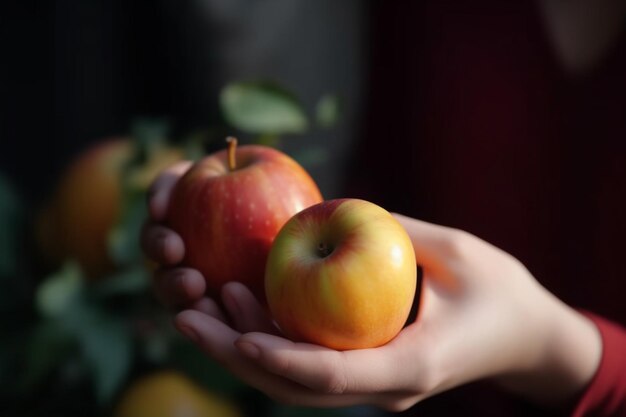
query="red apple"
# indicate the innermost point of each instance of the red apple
(341, 274)
(229, 207)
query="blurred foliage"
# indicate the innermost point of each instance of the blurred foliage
(10, 220)
(327, 111)
(269, 111)
(262, 108)
(71, 344)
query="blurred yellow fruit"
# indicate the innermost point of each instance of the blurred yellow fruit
(171, 394)
(87, 203)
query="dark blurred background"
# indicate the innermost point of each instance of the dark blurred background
(75, 72)
(507, 119)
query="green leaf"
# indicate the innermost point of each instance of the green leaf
(123, 239)
(268, 139)
(293, 411)
(191, 361)
(327, 111)
(148, 134)
(156, 347)
(312, 156)
(103, 338)
(194, 145)
(56, 294)
(49, 343)
(106, 344)
(132, 280)
(11, 213)
(262, 108)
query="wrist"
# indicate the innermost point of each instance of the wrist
(569, 353)
(573, 354)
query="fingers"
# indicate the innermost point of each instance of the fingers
(162, 245)
(315, 367)
(212, 335)
(440, 251)
(209, 307)
(363, 371)
(431, 242)
(161, 189)
(438, 243)
(178, 287)
(247, 314)
(217, 340)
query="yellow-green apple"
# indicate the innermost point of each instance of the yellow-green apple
(229, 207)
(341, 274)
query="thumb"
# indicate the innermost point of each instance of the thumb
(433, 244)
(161, 189)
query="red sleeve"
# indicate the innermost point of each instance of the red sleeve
(606, 393)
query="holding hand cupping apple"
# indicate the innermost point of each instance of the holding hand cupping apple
(482, 315)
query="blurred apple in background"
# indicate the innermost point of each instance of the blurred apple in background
(171, 394)
(341, 274)
(229, 207)
(88, 202)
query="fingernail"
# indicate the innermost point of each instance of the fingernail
(189, 333)
(250, 350)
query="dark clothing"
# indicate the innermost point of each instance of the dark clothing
(473, 124)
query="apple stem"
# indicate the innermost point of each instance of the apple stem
(232, 146)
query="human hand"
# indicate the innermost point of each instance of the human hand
(482, 315)
(175, 287)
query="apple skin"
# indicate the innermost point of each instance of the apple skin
(359, 295)
(228, 219)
